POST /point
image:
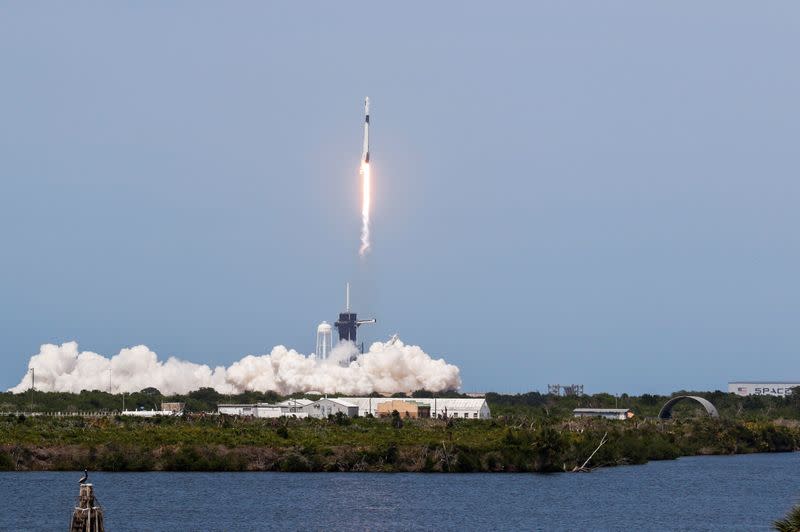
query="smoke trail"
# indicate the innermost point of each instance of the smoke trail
(386, 368)
(365, 206)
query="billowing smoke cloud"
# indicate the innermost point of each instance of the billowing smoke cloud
(387, 368)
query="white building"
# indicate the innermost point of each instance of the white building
(330, 407)
(167, 409)
(463, 408)
(778, 388)
(264, 410)
(607, 413)
(293, 406)
(237, 410)
(471, 408)
(150, 413)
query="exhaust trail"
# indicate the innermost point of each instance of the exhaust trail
(365, 207)
(366, 186)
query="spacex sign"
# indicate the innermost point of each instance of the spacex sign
(780, 389)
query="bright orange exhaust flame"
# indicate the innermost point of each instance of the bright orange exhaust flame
(365, 204)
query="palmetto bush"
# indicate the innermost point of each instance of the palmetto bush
(790, 523)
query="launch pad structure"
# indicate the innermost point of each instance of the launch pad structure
(348, 322)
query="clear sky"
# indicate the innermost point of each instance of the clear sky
(602, 193)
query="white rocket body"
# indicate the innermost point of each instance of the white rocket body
(365, 153)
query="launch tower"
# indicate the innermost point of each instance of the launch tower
(348, 322)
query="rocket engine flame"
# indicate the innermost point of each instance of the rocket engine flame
(365, 207)
(365, 186)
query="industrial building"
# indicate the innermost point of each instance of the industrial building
(176, 408)
(472, 408)
(167, 409)
(292, 407)
(605, 413)
(777, 388)
(330, 407)
(405, 408)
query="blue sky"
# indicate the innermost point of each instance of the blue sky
(599, 193)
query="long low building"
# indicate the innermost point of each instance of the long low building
(167, 409)
(299, 408)
(607, 413)
(778, 388)
(330, 407)
(265, 410)
(471, 408)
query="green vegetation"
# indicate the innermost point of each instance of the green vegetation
(730, 406)
(211, 443)
(790, 523)
(529, 432)
(532, 404)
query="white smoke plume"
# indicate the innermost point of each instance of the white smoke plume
(365, 208)
(386, 368)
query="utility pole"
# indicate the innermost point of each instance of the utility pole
(33, 385)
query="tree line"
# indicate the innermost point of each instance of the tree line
(530, 404)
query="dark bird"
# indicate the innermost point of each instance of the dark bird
(85, 477)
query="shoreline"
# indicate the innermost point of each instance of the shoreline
(373, 445)
(392, 473)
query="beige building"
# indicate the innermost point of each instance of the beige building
(405, 408)
(175, 408)
(457, 407)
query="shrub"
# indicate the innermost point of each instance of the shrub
(341, 419)
(294, 462)
(396, 421)
(390, 453)
(466, 461)
(6, 464)
(790, 523)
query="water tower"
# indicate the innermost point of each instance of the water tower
(324, 340)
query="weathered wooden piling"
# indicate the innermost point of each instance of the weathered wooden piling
(88, 516)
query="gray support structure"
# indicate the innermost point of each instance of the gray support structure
(666, 410)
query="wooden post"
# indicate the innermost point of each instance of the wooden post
(88, 516)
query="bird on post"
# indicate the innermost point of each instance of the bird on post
(85, 477)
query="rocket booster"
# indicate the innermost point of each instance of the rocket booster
(365, 153)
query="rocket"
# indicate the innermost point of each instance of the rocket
(365, 153)
(365, 186)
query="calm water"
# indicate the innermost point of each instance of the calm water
(698, 493)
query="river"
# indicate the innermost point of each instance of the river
(745, 492)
